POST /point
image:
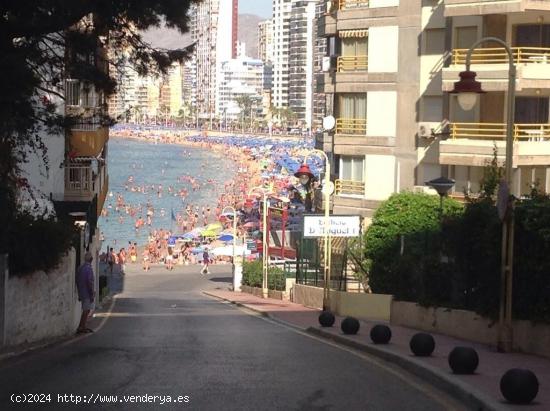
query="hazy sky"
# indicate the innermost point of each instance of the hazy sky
(262, 8)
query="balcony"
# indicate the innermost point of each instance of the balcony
(349, 187)
(83, 184)
(497, 131)
(352, 126)
(351, 63)
(88, 137)
(473, 144)
(481, 7)
(491, 65)
(353, 4)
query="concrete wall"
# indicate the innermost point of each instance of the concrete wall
(467, 325)
(360, 305)
(41, 305)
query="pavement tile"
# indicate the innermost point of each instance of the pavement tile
(486, 380)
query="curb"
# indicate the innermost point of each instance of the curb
(459, 390)
(261, 313)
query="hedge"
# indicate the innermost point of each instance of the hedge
(253, 276)
(455, 261)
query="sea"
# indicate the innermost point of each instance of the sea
(149, 164)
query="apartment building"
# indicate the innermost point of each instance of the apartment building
(265, 41)
(171, 89)
(281, 46)
(525, 27)
(301, 55)
(387, 73)
(241, 77)
(214, 32)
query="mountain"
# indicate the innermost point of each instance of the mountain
(170, 38)
(248, 33)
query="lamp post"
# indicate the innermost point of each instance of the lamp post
(442, 185)
(265, 257)
(232, 209)
(468, 89)
(327, 243)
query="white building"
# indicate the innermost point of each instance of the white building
(265, 40)
(214, 31)
(240, 77)
(281, 46)
(301, 53)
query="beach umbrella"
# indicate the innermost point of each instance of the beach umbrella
(225, 237)
(214, 226)
(209, 233)
(227, 251)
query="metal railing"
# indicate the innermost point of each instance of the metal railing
(352, 63)
(351, 126)
(353, 4)
(497, 131)
(87, 124)
(79, 178)
(349, 187)
(498, 55)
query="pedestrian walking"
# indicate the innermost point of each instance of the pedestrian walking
(122, 260)
(205, 262)
(86, 293)
(111, 258)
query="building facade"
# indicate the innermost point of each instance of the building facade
(301, 56)
(389, 67)
(214, 32)
(265, 41)
(281, 49)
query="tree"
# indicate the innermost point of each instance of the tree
(245, 106)
(43, 42)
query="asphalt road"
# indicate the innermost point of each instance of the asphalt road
(164, 338)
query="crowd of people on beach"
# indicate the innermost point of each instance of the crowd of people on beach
(254, 167)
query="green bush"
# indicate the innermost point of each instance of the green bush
(252, 273)
(38, 244)
(456, 262)
(276, 279)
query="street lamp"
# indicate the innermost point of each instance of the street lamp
(442, 185)
(327, 243)
(232, 210)
(467, 90)
(265, 257)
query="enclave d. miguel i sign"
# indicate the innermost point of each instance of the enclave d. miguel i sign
(340, 226)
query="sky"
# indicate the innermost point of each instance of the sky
(262, 8)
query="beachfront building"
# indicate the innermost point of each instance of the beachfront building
(239, 78)
(389, 64)
(319, 52)
(171, 89)
(301, 55)
(265, 41)
(281, 48)
(71, 173)
(214, 32)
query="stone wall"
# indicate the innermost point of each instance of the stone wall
(528, 337)
(41, 306)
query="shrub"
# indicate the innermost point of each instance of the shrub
(252, 273)
(38, 244)
(276, 279)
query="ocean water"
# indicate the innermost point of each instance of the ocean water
(158, 164)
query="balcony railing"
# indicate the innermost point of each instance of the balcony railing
(349, 187)
(498, 55)
(87, 124)
(353, 4)
(351, 126)
(497, 131)
(352, 63)
(79, 179)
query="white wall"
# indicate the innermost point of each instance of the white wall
(381, 113)
(383, 49)
(53, 179)
(379, 176)
(41, 305)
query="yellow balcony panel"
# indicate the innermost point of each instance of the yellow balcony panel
(349, 187)
(88, 142)
(482, 7)
(353, 4)
(353, 126)
(497, 131)
(498, 55)
(352, 63)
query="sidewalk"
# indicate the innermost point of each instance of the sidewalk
(479, 391)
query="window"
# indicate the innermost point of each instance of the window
(465, 37)
(72, 92)
(352, 105)
(434, 41)
(532, 35)
(352, 168)
(531, 110)
(354, 46)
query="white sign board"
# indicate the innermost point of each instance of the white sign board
(340, 226)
